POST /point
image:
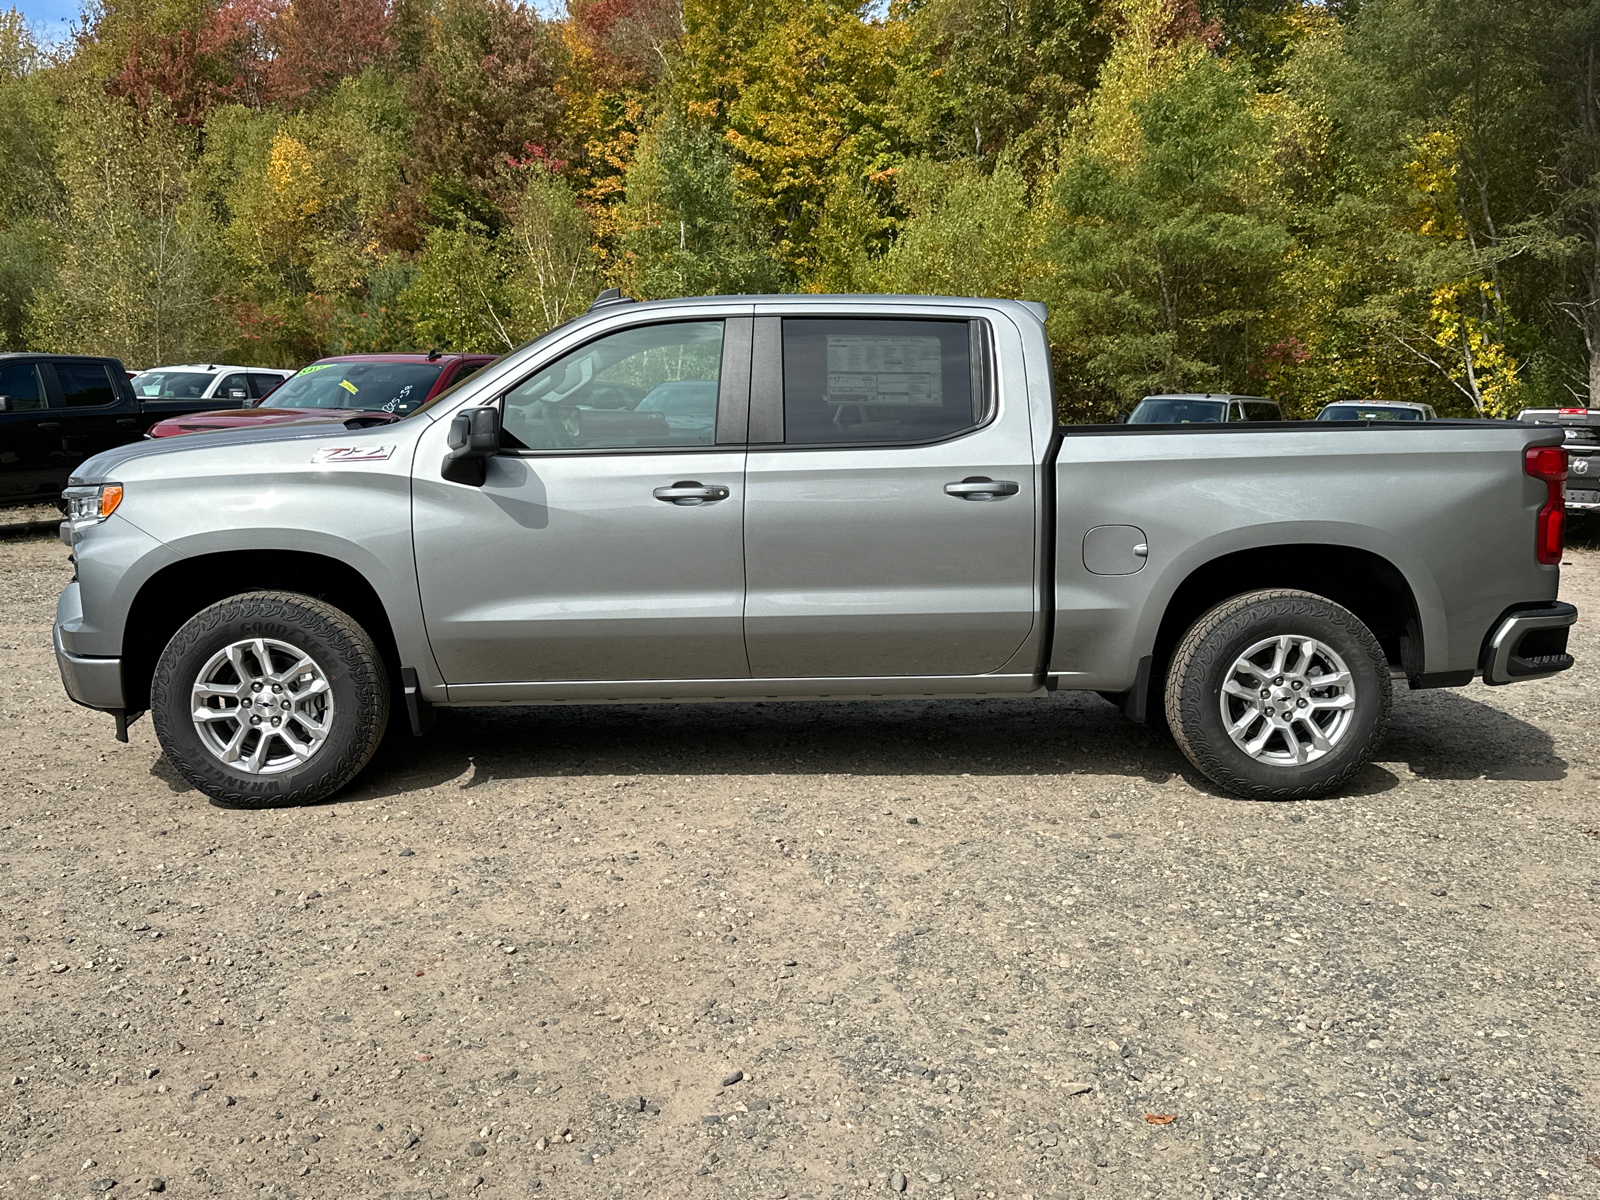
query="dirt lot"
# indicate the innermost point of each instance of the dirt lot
(1002, 949)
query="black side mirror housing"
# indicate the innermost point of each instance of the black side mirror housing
(1122, 418)
(474, 439)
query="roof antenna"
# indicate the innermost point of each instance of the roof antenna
(433, 354)
(609, 297)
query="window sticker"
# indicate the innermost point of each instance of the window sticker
(348, 386)
(315, 367)
(884, 370)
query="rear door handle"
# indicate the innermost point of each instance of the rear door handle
(127, 420)
(689, 492)
(49, 424)
(977, 487)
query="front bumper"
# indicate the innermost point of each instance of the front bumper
(92, 682)
(1529, 643)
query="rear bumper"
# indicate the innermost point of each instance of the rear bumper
(92, 682)
(1529, 643)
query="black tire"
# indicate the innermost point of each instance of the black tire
(352, 677)
(1205, 660)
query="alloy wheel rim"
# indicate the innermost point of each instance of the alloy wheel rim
(1288, 701)
(262, 706)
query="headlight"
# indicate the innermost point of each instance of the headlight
(94, 503)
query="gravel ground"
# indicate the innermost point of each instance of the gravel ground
(997, 949)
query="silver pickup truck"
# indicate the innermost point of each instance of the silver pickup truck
(801, 498)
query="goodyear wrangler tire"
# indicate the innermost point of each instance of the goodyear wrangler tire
(1278, 695)
(269, 698)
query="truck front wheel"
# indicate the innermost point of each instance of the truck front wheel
(1278, 695)
(269, 698)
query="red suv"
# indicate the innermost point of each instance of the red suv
(376, 388)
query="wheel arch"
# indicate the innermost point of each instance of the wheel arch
(181, 589)
(1365, 582)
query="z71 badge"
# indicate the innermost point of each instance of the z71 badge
(343, 454)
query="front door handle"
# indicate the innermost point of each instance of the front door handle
(127, 421)
(690, 491)
(977, 487)
(49, 424)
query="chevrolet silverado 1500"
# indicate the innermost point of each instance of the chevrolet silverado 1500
(802, 497)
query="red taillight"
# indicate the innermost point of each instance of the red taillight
(1549, 463)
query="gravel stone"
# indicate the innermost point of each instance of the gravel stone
(1245, 957)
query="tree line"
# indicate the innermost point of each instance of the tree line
(1346, 199)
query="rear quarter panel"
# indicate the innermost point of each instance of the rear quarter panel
(1448, 505)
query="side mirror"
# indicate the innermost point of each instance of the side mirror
(238, 394)
(5, 403)
(1122, 418)
(474, 439)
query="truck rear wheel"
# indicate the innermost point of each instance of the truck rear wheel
(269, 698)
(1278, 695)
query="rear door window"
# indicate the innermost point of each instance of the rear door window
(85, 385)
(878, 382)
(21, 386)
(236, 383)
(1258, 410)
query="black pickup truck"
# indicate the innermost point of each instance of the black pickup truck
(57, 410)
(1582, 433)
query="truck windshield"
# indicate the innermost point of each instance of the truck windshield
(1367, 412)
(171, 385)
(1156, 410)
(374, 386)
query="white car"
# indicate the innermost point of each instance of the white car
(229, 386)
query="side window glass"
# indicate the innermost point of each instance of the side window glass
(21, 386)
(1256, 411)
(85, 385)
(650, 387)
(467, 372)
(877, 381)
(233, 387)
(260, 385)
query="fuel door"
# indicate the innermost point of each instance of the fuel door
(1115, 549)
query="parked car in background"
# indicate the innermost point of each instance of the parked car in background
(58, 409)
(1380, 410)
(1582, 429)
(222, 386)
(370, 389)
(1184, 408)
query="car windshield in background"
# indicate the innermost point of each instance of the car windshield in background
(1366, 412)
(1179, 412)
(172, 385)
(375, 386)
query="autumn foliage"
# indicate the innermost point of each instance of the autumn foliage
(1318, 201)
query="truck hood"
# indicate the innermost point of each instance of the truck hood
(104, 466)
(256, 418)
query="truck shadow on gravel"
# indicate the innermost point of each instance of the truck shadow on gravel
(1440, 735)
(1447, 734)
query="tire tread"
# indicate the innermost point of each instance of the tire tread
(358, 656)
(1182, 704)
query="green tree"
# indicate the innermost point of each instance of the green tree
(686, 231)
(1166, 244)
(135, 253)
(30, 194)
